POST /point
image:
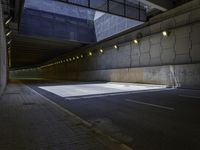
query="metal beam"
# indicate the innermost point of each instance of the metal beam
(163, 5)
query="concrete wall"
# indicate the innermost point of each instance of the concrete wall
(54, 19)
(172, 60)
(108, 25)
(51, 25)
(187, 76)
(3, 63)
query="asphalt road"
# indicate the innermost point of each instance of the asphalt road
(153, 118)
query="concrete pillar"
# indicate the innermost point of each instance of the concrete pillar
(3, 54)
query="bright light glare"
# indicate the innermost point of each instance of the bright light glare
(165, 33)
(90, 53)
(8, 21)
(115, 46)
(8, 33)
(136, 41)
(101, 88)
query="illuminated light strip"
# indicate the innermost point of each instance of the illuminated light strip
(8, 33)
(8, 21)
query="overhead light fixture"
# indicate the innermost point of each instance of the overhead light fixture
(8, 21)
(90, 53)
(81, 56)
(115, 46)
(77, 57)
(8, 33)
(74, 58)
(70, 59)
(101, 50)
(136, 41)
(66, 60)
(165, 33)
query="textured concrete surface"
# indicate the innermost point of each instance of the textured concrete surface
(172, 75)
(60, 8)
(3, 54)
(30, 122)
(172, 60)
(108, 25)
(145, 120)
(36, 23)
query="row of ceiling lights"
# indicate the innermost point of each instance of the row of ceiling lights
(9, 32)
(8, 39)
(165, 33)
(136, 41)
(70, 59)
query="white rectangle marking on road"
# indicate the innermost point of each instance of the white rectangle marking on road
(189, 96)
(149, 104)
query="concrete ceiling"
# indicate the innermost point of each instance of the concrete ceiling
(29, 51)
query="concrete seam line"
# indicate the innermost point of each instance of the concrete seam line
(112, 142)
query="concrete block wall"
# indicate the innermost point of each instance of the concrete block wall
(3, 55)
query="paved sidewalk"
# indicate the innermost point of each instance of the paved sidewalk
(30, 122)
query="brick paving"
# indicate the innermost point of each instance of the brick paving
(29, 122)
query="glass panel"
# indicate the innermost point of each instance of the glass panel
(79, 2)
(99, 4)
(132, 12)
(116, 8)
(143, 15)
(120, 1)
(132, 3)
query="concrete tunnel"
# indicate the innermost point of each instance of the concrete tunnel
(106, 74)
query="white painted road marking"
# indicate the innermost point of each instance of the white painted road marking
(149, 104)
(189, 96)
(81, 89)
